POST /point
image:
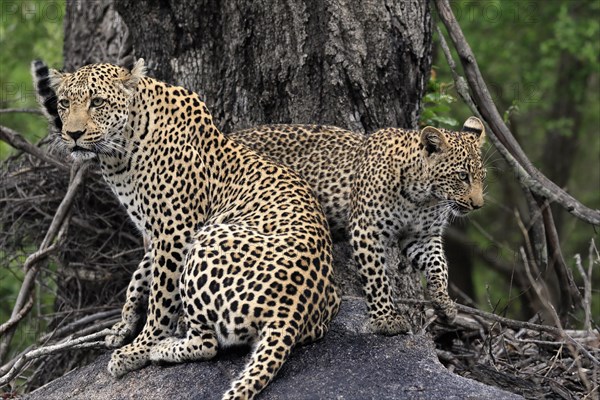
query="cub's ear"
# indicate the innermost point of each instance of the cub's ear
(131, 79)
(474, 126)
(56, 78)
(433, 140)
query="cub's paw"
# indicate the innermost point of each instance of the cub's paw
(127, 359)
(122, 333)
(446, 309)
(389, 324)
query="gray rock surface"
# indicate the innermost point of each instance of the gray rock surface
(349, 363)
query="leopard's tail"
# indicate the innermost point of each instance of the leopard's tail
(45, 95)
(271, 352)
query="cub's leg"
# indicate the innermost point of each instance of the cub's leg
(369, 253)
(427, 254)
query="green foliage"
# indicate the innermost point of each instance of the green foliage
(436, 104)
(29, 29)
(575, 35)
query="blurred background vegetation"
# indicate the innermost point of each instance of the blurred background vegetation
(28, 30)
(541, 62)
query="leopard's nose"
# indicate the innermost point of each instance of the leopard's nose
(477, 202)
(75, 135)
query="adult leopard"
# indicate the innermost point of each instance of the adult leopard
(392, 186)
(239, 244)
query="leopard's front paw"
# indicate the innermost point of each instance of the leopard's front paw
(122, 333)
(128, 358)
(389, 324)
(446, 309)
(164, 351)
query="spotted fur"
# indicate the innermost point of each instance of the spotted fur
(239, 244)
(391, 187)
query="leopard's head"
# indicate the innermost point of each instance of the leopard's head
(456, 169)
(93, 104)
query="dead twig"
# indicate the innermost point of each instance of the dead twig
(84, 342)
(492, 317)
(15, 320)
(20, 110)
(571, 344)
(526, 358)
(594, 258)
(31, 265)
(17, 141)
(72, 327)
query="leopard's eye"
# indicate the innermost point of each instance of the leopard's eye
(463, 176)
(97, 102)
(64, 103)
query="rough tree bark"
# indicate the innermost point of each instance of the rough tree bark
(358, 65)
(94, 32)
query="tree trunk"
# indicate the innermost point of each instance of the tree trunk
(354, 64)
(94, 32)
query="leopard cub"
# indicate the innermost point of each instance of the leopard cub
(394, 186)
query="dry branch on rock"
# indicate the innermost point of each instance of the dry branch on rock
(533, 360)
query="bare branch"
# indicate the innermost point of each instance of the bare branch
(73, 326)
(18, 317)
(514, 324)
(500, 135)
(84, 342)
(573, 345)
(31, 265)
(587, 284)
(20, 110)
(17, 141)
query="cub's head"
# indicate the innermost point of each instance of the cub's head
(454, 161)
(93, 104)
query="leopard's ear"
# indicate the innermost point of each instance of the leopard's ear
(131, 79)
(474, 126)
(433, 140)
(56, 78)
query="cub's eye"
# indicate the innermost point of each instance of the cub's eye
(463, 176)
(64, 103)
(97, 102)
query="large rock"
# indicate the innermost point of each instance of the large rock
(349, 363)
